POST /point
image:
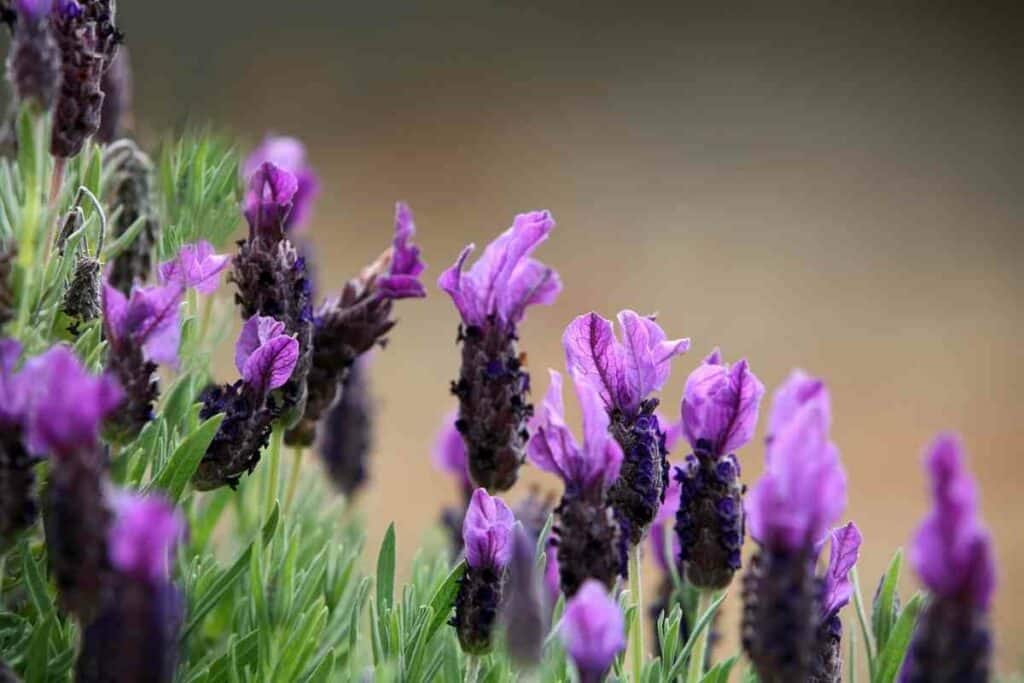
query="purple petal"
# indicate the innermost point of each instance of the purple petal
(143, 536)
(160, 330)
(593, 630)
(592, 353)
(289, 154)
(531, 284)
(647, 354)
(402, 280)
(271, 365)
(459, 287)
(603, 456)
(196, 266)
(843, 555)
(450, 451)
(115, 307)
(256, 331)
(269, 199)
(552, 575)
(487, 531)
(720, 405)
(798, 390)
(34, 9)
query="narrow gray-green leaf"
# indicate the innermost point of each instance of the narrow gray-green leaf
(386, 572)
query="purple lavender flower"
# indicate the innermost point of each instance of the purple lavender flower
(142, 330)
(593, 631)
(135, 636)
(347, 434)
(289, 154)
(487, 536)
(719, 415)
(266, 357)
(591, 540)
(18, 509)
(952, 554)
(33, 63)
(492, 298)
(625, 374)
(358, 320)
(836, 591)
(130, 193)
(196, 266)
(450, 457)
(790, 510)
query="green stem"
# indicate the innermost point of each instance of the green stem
(472, 669)
(636, 625)
(696, 668)
(273, 471)
(293, 477)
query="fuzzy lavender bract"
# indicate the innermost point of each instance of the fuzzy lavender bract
(590, 536)
(952, 554)
(719, 414)
(625, 374)
(487, 534)
(492, 298)
(593, 631)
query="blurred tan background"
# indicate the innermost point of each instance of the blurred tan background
(837, 189)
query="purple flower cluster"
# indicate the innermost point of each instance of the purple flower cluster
(491, 298)
(593, 631)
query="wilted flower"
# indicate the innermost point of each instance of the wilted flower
(289, 154)
(266, 357)
(591, 540)
(719, 415)
(130, 195)
(33, 63)
(593, 631)
(347, 433)
(196, 266)
(487, 535)
(135, 636)
(358, 320)
(142, 330)
(18, 509)
(952, 554)
(492, 388)
(790, 510)
(624, 375)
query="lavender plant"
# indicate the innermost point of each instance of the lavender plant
(150, 532)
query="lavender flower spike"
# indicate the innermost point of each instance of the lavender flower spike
(18, 509)
(266, 357)
(348, 431)
(488, 537)
(135, 637)
(33, 63)
(289, 154)
(358, 320)
(590, 537)
(952, 554)
(836, 591)
(195, 266)
(719, 414)
(790, 510)
(625, 374)
(492, 298)
(593, 631)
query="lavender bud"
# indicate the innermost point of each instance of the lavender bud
(116, 115)
(33, 63)
(235, 449)
(591, 543)
(348, 431)
(131, 190)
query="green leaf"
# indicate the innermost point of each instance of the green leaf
(890, 657)
(702, 623)
(883, 613)
(36, 656)
(117, 246)
(719, 673)
(386, 571)
(443, 599)
(36, 583)
(179, 470)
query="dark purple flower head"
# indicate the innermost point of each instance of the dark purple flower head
(143, 536)
(149, 319)
(450, 452)
(803, 490)
(505, 280)
(67, 403)
(843, 553)
(487, 531)
(269, 200)
(34, 10)
(593, 631)
(289, 154)
(624, 373)
(196, 266)
(591, 467)
(798, 390)
(264, 355)
(720, 405)
(952, 550)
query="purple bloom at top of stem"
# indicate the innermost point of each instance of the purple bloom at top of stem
(196, 266)
(450, 451)
(143, 536)
(795, 392)
(843, 553)
(264, 355)
(288, 153)
(952, 550)
(401, 279)
(269, 200)
(67, 403)
(594, 466)
(626, 372)
(505, 280)
(487, 531)
(803, 489)
(149, 318)
(593, 630)
(34, 9)
(720, 404)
